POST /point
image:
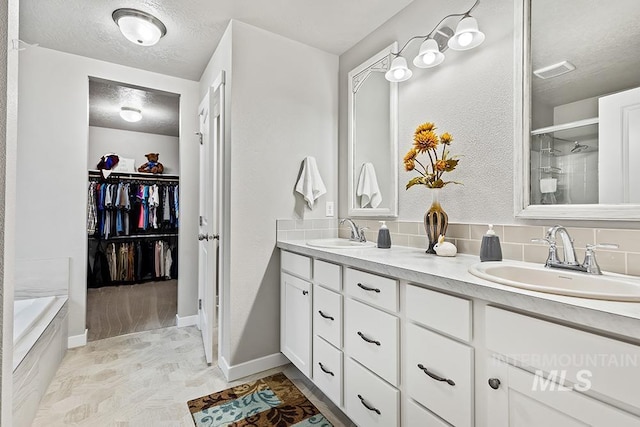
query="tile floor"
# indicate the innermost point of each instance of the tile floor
(145, 379)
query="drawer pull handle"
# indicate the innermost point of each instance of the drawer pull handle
(434, 376)
(369, 407)
(494, 383)
(369, 340)
(305, 292)
(325, 370)
(325, 316)
(366, 288)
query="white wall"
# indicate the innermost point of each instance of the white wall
(8, 146)
(284, 107)
(52, 160)
(470, 95)
(133, 145)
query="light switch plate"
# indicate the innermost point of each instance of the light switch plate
(329, 209)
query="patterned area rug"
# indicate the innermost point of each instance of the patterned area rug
(268, 402)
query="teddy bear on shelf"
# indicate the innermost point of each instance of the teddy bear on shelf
(152, 165)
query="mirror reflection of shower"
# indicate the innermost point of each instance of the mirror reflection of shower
(565, 166)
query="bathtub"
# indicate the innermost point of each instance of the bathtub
(31, 317)
(27, 313)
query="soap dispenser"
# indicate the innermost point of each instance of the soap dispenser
(384, 238)
(490, 249)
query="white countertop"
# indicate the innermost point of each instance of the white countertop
(451, 275)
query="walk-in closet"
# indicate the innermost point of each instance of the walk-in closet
(133, 209)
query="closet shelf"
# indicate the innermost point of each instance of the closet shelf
(94, 173)
(566, 126)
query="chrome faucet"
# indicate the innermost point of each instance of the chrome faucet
(357, 233)
(569, 262)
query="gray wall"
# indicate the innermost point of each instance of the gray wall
(52, 162)
(470, 95)
(8, 141)
(283, 107)
(134, 145)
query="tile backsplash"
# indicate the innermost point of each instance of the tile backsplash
(515, 239)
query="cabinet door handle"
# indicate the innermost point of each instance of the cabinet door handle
(366, 288)
(369, 340)
(494, 383)
(305, 292)
(369, 407)
(325, 316)
(434, 376)
(325, 370)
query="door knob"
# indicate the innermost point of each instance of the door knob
(494, 383)
(207, 237)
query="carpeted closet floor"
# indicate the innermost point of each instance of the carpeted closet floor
(120, 310)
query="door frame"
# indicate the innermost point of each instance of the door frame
(224, 244)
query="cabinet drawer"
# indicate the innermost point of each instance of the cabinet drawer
(371, 337)
(327, 369)
(375, 290)
(364, 388)
(327, 274)
(327, 315)
(446, 313)
(299, 265)
(608, 364)
(443, 358)
(417, 416)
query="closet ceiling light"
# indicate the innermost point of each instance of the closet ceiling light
(467, 36)
(139, 27)
(131, 114)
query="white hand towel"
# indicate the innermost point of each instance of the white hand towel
(368, 189)
(310, 183)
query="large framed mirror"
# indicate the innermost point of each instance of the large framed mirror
(578, 109)
(373, 139)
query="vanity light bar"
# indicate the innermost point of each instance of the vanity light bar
(467, 36)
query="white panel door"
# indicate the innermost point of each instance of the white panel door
(211, 136)
(619, 147)
(519, 398)
(295, 321)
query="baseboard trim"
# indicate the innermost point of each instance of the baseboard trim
(234, 372)
(182, 322)
(77, 340)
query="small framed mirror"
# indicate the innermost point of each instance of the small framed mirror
(373, 139)
(578, 124)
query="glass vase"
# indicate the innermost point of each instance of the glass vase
(436, 220)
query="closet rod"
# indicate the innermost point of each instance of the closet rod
(139, 236)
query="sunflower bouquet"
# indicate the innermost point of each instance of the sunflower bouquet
(427, 141)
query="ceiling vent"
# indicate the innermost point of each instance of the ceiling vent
(554, 70)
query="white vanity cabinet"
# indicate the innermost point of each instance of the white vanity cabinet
(392, 353)
(565, 377)
(295, 310)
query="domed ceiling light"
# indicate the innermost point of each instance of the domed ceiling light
(131, 114)
(139, 27)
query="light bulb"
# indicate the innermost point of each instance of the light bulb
(465, 39)
(428, 58)
(398, 74)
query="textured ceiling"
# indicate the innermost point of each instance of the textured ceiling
(601, 38)
(160, 110)
(194, 27)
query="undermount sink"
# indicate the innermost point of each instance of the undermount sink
(611, 287)
(337, 243)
